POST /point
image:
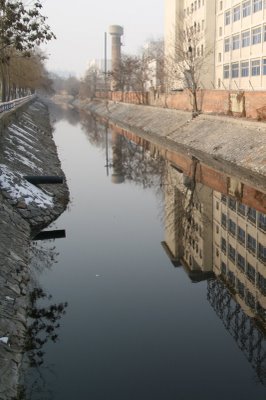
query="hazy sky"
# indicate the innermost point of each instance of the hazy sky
(80, 25)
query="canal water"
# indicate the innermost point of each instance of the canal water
(135, 323)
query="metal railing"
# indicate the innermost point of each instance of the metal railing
(9, 105)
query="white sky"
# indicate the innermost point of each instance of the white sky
(80, 25)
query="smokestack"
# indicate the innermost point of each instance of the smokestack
(116, 31)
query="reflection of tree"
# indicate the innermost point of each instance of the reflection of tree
(43, 327)
(59, 113)
(96, 133)
(43, 256)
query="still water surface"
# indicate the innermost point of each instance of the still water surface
(136, 327)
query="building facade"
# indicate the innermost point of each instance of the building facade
(235, 30)
(241, 44)
(196, 18)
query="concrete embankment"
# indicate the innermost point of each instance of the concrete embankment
(236, 147)
(26, 148)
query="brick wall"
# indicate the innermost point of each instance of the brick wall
(209, 101)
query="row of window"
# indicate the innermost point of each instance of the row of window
(245, 69)
(193, 7)
(245, 10)
(255, 217)
(251, 244)
(245, 39)
(249, 270)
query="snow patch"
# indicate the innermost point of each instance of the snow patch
(23, 189)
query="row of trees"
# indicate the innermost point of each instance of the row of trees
(22, 29)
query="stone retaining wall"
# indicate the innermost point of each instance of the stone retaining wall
(26, 148)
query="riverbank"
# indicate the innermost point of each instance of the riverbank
(236, 147)
(26, 148)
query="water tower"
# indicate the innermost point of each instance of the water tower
(116, 31)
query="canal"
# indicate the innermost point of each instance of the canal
(155, 294)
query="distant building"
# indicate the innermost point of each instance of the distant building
(100, 64)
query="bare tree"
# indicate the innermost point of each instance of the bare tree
(188, 61)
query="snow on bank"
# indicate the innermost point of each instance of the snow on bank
(17, 188)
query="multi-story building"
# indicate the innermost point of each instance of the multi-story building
(235, 30)
(241, 44)
(197, 18)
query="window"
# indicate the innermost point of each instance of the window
(261, 283)
(250, 300)
(220, 57)
(257, 5)
(241, 263)
(240, 288)
(246, 39)
(223, 220)
(256, 35)
(232, 253)
(223, 245)
(252, 215)
(236, 42)
(226, 45)
(232, 202)
(264, 66)
(227, 18)
(241, 209)
(264, 33)
(235, 70)
(220, 31)
(232, 227)
(241, 235)
(226, 71)
(244, 68)
(224, 198)
(251, 245)
(199, 3)
(221, 5)
(262, 220)
(236, 14)
(202, 24)
(246, 9)
(195, 5)
(255, 67)
(251, 272)
(223, 268)
(231, 278)
(262, 252)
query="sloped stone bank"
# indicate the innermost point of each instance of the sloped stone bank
(26, 148)
(234, 146)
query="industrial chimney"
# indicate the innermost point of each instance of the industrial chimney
(116, 31)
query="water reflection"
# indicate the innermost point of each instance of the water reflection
(144, 324)
(43, 317)
(213, 236)
(223, 237)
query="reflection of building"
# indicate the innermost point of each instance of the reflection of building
(240, 252)
(188, 224)
(208, 231)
